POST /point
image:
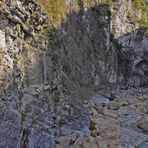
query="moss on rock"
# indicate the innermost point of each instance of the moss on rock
(55, 9)
(143, 6)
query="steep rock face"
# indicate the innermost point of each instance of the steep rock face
(44, 71)
(134, 50)
(127, 17)
(85, 46)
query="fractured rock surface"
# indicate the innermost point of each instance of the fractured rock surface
(58, 85)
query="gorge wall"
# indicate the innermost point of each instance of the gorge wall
(44, 70)
(47, 71)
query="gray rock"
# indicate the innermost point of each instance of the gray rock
(129, 116)
(144, 145)
(131, 137)
(134, 54)
(46, 73)
(143, 123)
(99, 99)
(3, 40)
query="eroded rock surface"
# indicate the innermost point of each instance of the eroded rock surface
(134, 48)
(44, 71)
(58, 85)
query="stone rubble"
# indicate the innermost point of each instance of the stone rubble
(113, 124)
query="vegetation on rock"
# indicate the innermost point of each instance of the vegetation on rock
(143, 6)
(55, 9)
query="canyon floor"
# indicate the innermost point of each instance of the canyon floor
(119, 123)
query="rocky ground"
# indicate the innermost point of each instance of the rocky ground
(120, 123)
(119, 120)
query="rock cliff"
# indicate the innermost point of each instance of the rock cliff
(55, 57)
